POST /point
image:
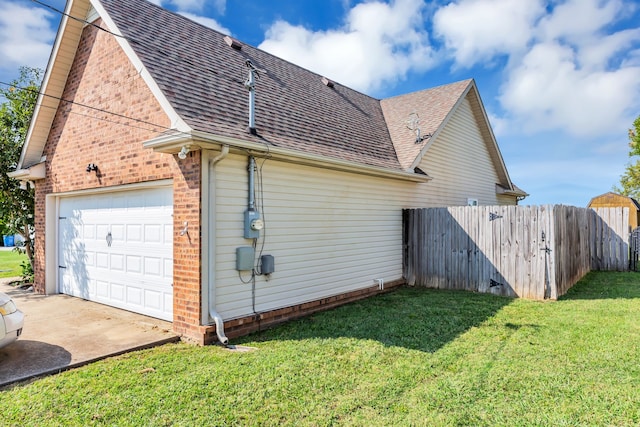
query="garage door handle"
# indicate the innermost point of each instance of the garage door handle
(109, 239)
(61, 266)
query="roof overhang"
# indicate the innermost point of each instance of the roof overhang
(516, 192)
(58, 68)
(33, 173)
(471, 93)
(173, 143)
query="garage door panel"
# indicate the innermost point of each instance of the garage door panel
(154, 299)
(134, 271)
(168, 268)
(90, 258)
(134, 264)
(89, 232)
(102, 260)
(134, 233)
(134, 296)
(102, 289)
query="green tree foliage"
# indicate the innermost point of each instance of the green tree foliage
(630, 179)
(16, 109)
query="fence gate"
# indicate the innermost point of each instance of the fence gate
(634, 250)
(535, 252)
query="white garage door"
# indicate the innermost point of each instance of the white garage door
(117, 249)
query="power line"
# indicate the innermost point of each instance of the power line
(131, 40)
(102, 110)
(166, 53)
(75, 18)
(104, 119)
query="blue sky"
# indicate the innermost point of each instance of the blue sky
(560, 79)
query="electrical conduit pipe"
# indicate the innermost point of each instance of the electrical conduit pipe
(212, 311)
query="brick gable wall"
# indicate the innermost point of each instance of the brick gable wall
(102, 77)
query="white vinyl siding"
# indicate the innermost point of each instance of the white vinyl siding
(333, 232)
(460, 165)
(330, 233)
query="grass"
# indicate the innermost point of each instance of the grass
(10, 263)
(411, 357)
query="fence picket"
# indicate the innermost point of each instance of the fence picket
(527, 251)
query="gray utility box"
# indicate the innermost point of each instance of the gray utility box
(245, 255)
(267, 264)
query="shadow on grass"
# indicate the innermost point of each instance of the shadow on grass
(413, 318)
(605, 285)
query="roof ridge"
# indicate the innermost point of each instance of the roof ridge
(442, 86)
(202, 78)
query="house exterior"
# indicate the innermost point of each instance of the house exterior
(156, 194)
(613, 200)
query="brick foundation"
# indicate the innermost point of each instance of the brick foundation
(245, 325)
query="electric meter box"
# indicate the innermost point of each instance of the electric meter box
(245, 256)
(252, 224)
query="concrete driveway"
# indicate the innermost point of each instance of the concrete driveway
(63, 332)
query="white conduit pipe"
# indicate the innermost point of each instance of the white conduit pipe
(212, 311)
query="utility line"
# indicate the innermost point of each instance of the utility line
(102, 110)
(75, 18)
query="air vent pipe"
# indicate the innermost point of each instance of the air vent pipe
(251, 85)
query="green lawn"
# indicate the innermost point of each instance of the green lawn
(10, 263)
(411, 357)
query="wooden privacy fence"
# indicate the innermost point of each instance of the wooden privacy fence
(532, 252)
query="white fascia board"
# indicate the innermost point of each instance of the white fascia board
(173, 143)
(53, 84)
(33, 173)
(177, 122)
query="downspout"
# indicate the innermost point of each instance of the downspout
(212, 289)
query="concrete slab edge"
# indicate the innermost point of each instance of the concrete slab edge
(14, 382)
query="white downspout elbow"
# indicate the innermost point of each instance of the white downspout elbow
(212, 289)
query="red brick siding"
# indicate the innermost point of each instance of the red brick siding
(102, 77)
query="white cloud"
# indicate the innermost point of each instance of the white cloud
(578, 19)
(183, 5)
(378, 44)
(601, 50)
(26, 35)
(207, 22)
(192, 5)
(475, 31)
(548, 91)
(570, 67)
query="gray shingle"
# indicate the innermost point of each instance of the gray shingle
(203, 78)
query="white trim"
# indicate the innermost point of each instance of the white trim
(207, 236)
(172, 143)
(46, 106)
(176, 121)
(444, 123)
(92, 15)
(52, 212)
(35, 172)
(117, 188)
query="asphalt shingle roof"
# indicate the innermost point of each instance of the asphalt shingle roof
(203, 79)
(432, 107)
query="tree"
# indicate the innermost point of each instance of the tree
(16, 201)
(630, 179)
